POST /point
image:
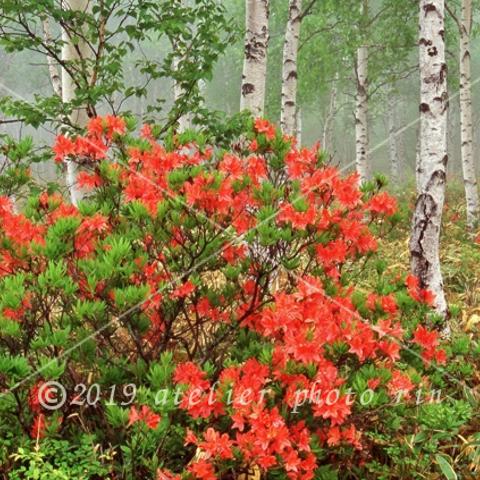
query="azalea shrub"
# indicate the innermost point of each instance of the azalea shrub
(198, 316)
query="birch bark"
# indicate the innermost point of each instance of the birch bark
(255, 61)
(418, 163)
(55, 77)
(361, 114)
(299, 127)
(328, 126)
(425, 238)
(402, 154)
(466, 121)
(74, 50)
(392, 140)
(289, 69)
(184, 121)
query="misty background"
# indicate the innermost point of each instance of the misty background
(322, 72)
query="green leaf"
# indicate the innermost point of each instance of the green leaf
(51, 368)
(446, 467)
(55, 277)
(17, 366)
(116, 416)
(160, 374)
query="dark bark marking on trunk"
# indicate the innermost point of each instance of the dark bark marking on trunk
(428, 207)
(248, 88)
(424, 107)
(430, 7)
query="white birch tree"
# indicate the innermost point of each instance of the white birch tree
(289, 69)
(361, 114)
(299, 127)
(329, 123)
(361, 103)
(392, 139)
(255, 57)
(466, 120)
(400, 137)
(75, 50)
(184, 120)
(425, 238)
(464, 24)
(55, 76)
(418, 163)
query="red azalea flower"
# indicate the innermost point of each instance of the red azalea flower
(264, 126)
(400, 383)
(97, 223)
(88, 181)
(95, 127)
(383, 203)
(92, 147)
(334, 436)
(373, 383)
(146, 132)
(352, 436)
(419, 294)
(425, 338)
(164, 474)
(63, 148)
(203, 470)
(115, 125)
(144, 415)
(440, 357)
(256, 169)
(190, 374)
(231, 166)
(184, 290)
(216, 444)
(190, 438)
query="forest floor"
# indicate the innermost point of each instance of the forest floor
(460, 257)
(460, 260)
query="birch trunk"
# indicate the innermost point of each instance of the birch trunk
(328, 126)
(299, 124)
(418, 163)
(55, 77)
(184, 121)
(425, 239)
(466, 121)
(255, 62)
(361, 114)
(289, 69)
(402, 154)
(392, 140)
(74, 49)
